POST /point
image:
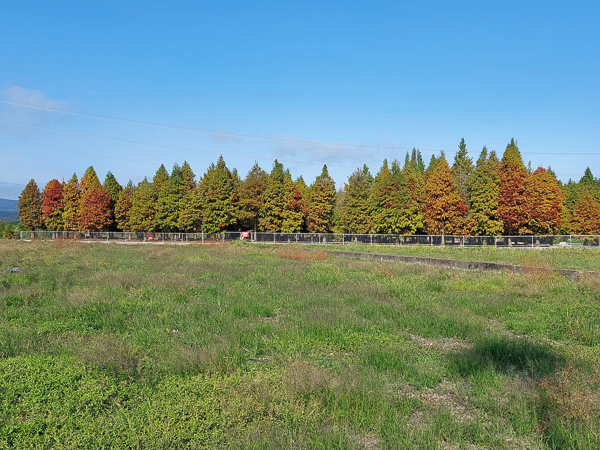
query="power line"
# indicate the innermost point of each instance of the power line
(212, 132)
(170, 147)
(138, 97)
(258, 137)
(58, 149)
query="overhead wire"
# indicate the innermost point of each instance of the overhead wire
(204, 130)
(239, 135)
(137, 97)
(171, 147)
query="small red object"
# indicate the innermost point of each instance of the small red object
(245, 234)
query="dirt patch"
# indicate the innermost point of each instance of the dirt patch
(444, 396)
(368, 441)
(274, 319)
(443, 344)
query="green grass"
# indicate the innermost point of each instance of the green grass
(556, 258)
(241, 346)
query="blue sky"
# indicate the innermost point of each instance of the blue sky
(340, 83)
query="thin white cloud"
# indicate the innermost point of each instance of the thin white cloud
(37, 112)
(33, 97)
(322, 152)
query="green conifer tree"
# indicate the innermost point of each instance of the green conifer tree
(219, 198)
(71, 204)
(142, 216)
(169, 201)
(113, 189)
(461, 170)
(356, 217)
(433, 162)
(89, 180)
(304, 190)
(273, 201)
(393, 210)
(415, 182)
(484, 188)
(123, 208)
(190, 210)
(30, 206)
(160, 177)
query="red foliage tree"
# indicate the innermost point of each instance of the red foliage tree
(52, 210)
(545, 203)
(512, 200)
(95, 210)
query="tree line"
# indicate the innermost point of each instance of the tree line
(490, 197)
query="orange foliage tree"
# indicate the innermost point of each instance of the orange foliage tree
(52, 211)
(512, 200)
(96, 213)
(586, 215)
(545, 203)
(444, 207)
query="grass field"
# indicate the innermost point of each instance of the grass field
(259, 347)
(555, 258)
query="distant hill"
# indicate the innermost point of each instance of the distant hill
(8, 210)
(8, 205)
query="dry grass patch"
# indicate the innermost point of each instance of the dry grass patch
(446, 396)
(110, 277)
(570, 396)
(109, 353)
(78, 297)
(300, 254)
(444, 345)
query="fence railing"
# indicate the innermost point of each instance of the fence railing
(525, 241)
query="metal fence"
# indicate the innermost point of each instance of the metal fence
(526, 241)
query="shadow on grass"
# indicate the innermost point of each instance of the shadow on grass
(508, 356)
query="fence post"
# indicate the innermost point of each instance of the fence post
(203, 236)
(532, 241)
(222, 237)
(371, 239)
